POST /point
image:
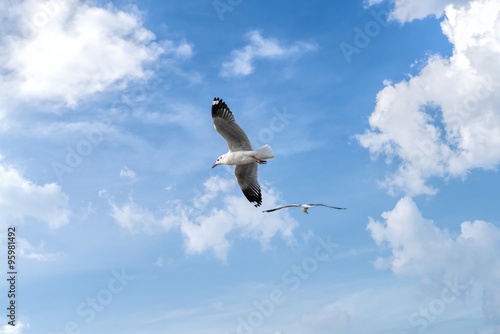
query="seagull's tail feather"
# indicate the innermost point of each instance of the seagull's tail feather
(265, 153)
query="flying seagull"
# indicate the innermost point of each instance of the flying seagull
(240, 152)
(304, 207)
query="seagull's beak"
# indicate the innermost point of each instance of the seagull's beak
(214, 165)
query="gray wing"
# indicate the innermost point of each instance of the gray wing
(226, 125)
(247, 179)
(282, 207)
(328, 206)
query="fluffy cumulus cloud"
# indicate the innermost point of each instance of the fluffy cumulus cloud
(420, 248)
(65, 50)
(445, 121)
(21, 198)
(243, 60)
(209, 230)
(207, 222)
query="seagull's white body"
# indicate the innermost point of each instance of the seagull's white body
(241, 152)
(246, 157)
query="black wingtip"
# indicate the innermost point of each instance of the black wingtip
(220, 109)
(253, 196)
(218, 102)
(257, 201)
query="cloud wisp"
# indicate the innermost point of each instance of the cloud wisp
(243, 60)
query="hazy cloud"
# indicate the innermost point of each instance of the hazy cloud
(243, 60)
(20, 198)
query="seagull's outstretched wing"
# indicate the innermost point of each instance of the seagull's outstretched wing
(304, 207)
(328, 206)
(282, 207)
(226, 125)
(247, 179)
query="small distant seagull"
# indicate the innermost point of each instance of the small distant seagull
(240, 152)
(304, 207)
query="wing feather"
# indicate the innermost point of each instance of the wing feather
(247, 180)
(226, 125)
(282, 207)
(328, 206)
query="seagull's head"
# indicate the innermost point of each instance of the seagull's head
(219, 161)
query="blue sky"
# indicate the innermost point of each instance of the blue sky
(387, 108)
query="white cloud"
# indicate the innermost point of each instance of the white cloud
(408, 10)
(65, 50)
(21, 198)
(242, 62)
(210, 226)
(213, 186)
(420, 248)
(135, 219)
(126, 172)
(28, 251)
(17, 329)
(373, 2)
(445, 121)
(215, 214)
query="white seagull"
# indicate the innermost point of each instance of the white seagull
(240, 152)
(304, 207)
